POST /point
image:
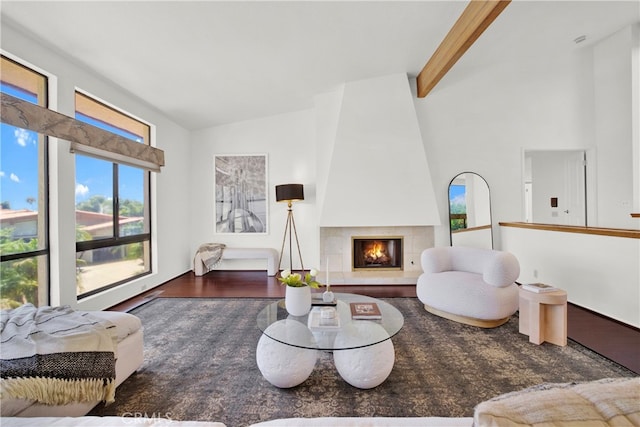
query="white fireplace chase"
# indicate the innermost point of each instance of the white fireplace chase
(373, 180)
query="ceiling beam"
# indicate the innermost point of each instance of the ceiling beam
(475, 18)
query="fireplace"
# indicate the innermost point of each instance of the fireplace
(376, 253)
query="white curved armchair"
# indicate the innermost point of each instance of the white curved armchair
(469, 285)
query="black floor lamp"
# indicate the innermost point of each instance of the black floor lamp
(289, 193)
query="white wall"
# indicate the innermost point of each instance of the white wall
(327, 117)
(482, 122)
(170, 194)
(600, 273)
(476, 238)
(635, 113)
(613, 83)
(378, 173)
(289, 142)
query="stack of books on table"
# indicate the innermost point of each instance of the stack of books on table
(538, 287)
(318, 300)
(323, 318)
(365, 310)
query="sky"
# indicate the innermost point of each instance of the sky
(94, 176)
(456, 195)
(19, 166)
(18, 161)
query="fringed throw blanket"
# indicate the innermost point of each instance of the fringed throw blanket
(210, 254)
(55, 355)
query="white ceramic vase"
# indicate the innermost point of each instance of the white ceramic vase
(297, 300)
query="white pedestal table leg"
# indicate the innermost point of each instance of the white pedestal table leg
(284, 365)
(365, 367)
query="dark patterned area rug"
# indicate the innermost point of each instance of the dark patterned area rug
(200, 364)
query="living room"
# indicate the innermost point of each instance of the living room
(492, 106)
(481, 119)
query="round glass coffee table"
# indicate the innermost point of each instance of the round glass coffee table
(362, 349)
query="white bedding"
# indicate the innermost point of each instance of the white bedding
(57, 355)
(130, 355)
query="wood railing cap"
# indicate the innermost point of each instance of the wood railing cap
(600, 231)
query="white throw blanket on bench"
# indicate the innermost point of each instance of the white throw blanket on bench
(210, 254)
(56, 356)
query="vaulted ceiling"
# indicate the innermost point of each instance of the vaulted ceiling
(205, 63)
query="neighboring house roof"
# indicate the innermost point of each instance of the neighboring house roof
(12, 216)
(91, 222)
(123, 220)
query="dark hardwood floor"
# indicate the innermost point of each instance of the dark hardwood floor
(246, 284)
(612, 339)
(605, 336)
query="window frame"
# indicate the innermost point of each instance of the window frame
(145, 238)
(26, 78)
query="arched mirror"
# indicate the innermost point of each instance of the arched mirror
(470, 211)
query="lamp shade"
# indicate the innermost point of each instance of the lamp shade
(289, 192)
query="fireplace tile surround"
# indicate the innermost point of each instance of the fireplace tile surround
(335, 246)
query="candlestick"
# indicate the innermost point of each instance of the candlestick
(327, 296)
(327, 267)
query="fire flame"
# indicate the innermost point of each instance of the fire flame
(376, 252)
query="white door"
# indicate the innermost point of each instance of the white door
(555, 188)
(573, 204)
(528, 202)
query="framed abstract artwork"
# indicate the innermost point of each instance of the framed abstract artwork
(241, 193)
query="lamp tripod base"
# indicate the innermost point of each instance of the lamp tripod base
(289, 227)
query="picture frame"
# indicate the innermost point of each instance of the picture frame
(241, 196)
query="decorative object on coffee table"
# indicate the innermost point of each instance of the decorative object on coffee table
(365, 310)
(323, 319)
(297, 298)
(328, 296)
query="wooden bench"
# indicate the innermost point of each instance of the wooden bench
(271, 255)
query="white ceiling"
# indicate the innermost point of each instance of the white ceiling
(205, 63)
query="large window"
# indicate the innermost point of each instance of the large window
(112, 207)
(24, 246)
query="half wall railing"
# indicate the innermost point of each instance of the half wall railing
(598, 267)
